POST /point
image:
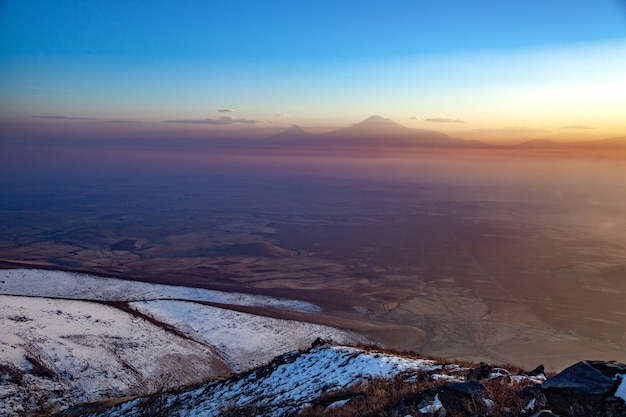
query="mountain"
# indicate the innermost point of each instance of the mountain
(539, 144)
(373, 126)
(339, 380)
(293, 134)
(376, 131)
(611, 143)
(602, 144)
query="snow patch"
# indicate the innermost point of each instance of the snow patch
(95, 351)
(46, 283)
(432, 407)
(621, 389)
(244, 340)
(88, 351)
(296, 381)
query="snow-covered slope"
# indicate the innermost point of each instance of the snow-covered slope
(80, 351)
(290, 382)
(46, 283)
(295, 380)
(244, 340)
(58, 352)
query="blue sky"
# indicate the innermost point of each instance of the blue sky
(490, 64)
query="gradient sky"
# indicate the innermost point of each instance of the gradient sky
(477, 69)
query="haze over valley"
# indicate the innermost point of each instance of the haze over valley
(503, 255)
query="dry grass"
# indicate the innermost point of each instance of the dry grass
(513, 369)
(506, 397)
(11, 373)
(380, 397)
(395, 397)
(390, 397)
(40, 368)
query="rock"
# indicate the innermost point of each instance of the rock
(587, 388)
(464, 398)
(534, 397)
(544, 413)
(482, 372)
(318, 342)
(540, 370)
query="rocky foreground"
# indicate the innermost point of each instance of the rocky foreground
(336, 380)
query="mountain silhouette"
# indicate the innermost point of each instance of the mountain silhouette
(539, 144)
(294, 133)
(379, 131)
(376, 124)
(601, 144)
(373, 126)
(376, 131)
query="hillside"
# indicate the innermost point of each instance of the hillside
(73, 338)
(337, 380)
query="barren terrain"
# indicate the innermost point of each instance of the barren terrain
(478, 270)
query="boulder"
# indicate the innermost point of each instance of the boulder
(533, 397)
(464, 398)
(482, 372)
(587, 388)
(544, 413)
(540, 370)
(318, 342)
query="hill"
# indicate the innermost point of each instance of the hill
(339, 380)
(73, 338)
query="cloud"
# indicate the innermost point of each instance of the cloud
(226, 120)
(444, 120)
(122, 121)
(282, 115)
(413, 118)
(578, 127)
(64, 117)
(511, 130)
(244, 121)
(226, 110)
(82, 118)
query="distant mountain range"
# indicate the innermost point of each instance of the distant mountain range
(382, 131)
(611, 143)
(376, 130)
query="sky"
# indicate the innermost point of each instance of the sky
(494, 70)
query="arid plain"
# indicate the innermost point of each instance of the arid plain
(470, 260)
